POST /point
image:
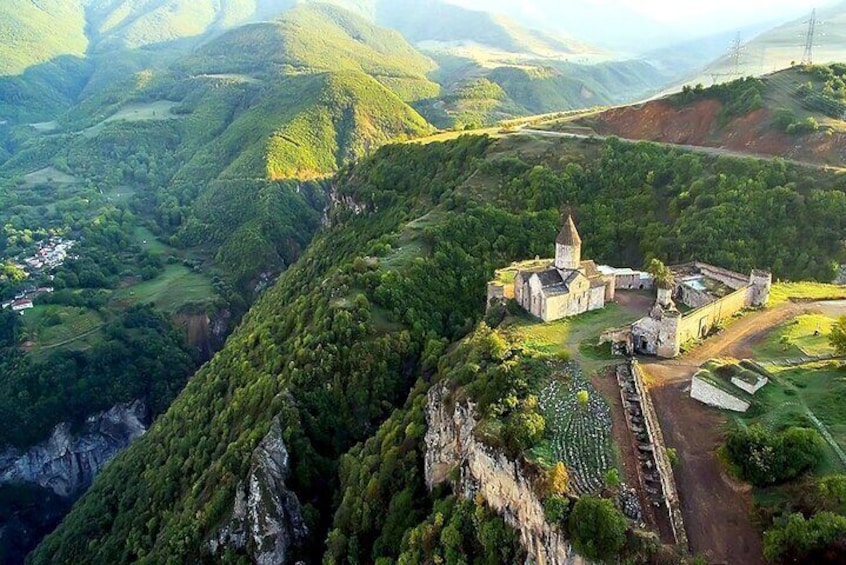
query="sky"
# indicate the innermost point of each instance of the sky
(628, 23)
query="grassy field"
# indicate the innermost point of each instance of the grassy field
(176, 287)
(574, 337)
(49, 175)
(51, 327)
(409, 245)
(806, 335)
(782, 292)
(140, 112)
(810, 395)
(148, 241)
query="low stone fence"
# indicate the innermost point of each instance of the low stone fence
(665, 470)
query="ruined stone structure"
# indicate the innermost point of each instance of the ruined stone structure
(707, 393)
(712, 294)
(628, 279)
(567, 287)
(654, 472)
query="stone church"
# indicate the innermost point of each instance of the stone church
(567, 287)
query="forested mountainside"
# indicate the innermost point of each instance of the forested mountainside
(273, 101)
(70, 51)
(337, 345)
(245, 121)
(797, 113)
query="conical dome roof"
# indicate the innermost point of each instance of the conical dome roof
(569, 235)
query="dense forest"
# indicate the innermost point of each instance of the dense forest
(369, 309)
(141, 357)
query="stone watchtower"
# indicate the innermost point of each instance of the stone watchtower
(568, 247)
(760, 283)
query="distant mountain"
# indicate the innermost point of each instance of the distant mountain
(437, 25)
(778, 48)
(293, 99)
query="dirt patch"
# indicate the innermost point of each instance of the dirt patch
(697, 124)
(638, 302)
(662, 121)
(717, 516)
(198, 332)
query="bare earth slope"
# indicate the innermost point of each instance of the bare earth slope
(798, 114)
(697, 124)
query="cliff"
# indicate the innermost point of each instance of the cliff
(504, 485)
(66, 463)
(266, 520)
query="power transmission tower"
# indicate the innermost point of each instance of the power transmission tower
(735, 57)
(737, 54)
(808, 57)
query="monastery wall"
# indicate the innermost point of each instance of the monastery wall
(697, 324)
(728, 278)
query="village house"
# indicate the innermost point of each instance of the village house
(21, 305)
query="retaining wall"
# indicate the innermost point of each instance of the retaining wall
(662, 460)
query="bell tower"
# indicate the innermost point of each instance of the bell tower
(568, 246)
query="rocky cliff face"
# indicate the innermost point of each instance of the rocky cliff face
(266, 517)
(503, 484)
(66, 463)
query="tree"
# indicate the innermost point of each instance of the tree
(765, 458)
(837, 337)
(661, 273)
(559, 479)
(597, 528)
(612, 478)
(583, 397)
(526, 429)
(820, 539)
(555, 508)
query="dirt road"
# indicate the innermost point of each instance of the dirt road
(717, 510)
(714, 151)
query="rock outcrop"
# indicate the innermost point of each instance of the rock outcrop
(68, 462)
(266, 518)
(504, 485)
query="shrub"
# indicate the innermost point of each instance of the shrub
(764, 458)
(597, 528)
(820, 539)
(556, 508)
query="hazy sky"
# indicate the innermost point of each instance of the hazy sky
(627, 22)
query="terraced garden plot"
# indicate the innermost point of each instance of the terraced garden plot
(580, 434)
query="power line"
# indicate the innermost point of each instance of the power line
(808, 57)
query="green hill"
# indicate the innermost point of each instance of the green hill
(435, 22)
(32, 33)
(262, 102)
(372, 306)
